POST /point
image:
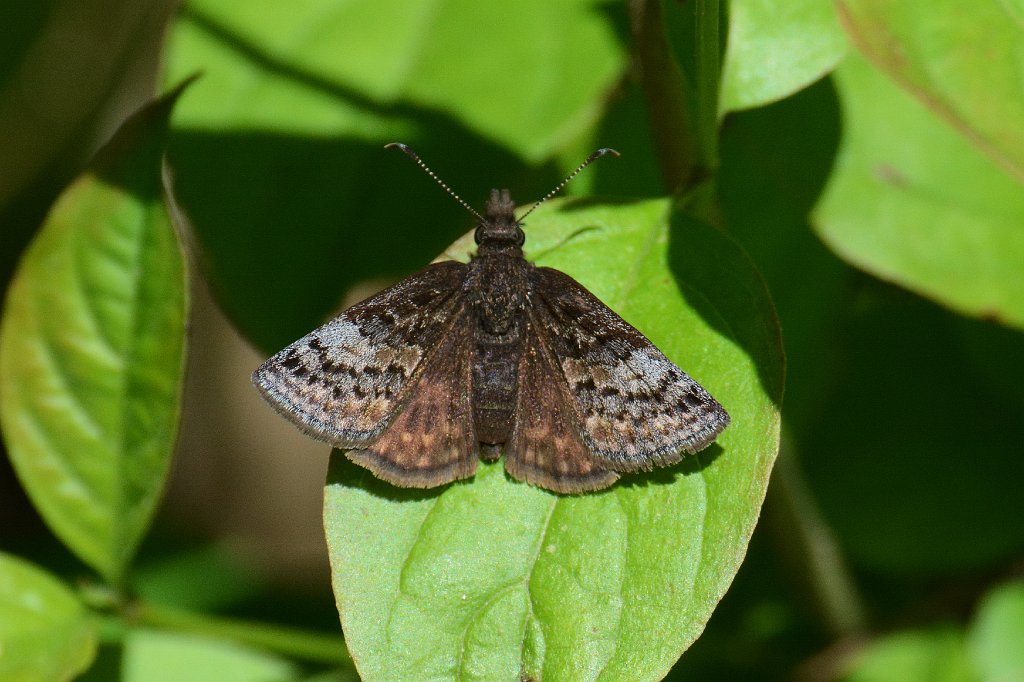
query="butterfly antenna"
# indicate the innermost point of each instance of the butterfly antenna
(589, 160)
(415, 157)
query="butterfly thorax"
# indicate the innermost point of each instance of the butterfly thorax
(498, 285)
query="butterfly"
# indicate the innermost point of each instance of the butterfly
(467, 360)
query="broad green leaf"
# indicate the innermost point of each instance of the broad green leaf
(914, 202)
(156, 656)
(932, 655)
(961, 60)
(527, 75)
(283, 135)
(995, 636)
(45, 632)
(492, 579)
(777, 47)
(91, 351)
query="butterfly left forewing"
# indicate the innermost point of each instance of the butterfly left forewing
(347, 380)
(635, 408)
(432, 440)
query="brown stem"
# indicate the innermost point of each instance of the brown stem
(665, 87)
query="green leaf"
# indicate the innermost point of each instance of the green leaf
(777, 47)
(61, 97)
(995, 636)
(960, 60)
(285, 132)
(527, 75)
(45, 633)
(494, 579)
(91, 351)
(775, 161)
(914, 202)
(156, 656)
(55, 93)
(931, 655)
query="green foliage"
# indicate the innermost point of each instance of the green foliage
(988, 649)
(866, 155)
(92, 350)
(45, 632)
(777, 48)
(491, 579)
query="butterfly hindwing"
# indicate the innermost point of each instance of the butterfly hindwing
(545, 447)
(635, 408)
(432, 439)
(345, 381)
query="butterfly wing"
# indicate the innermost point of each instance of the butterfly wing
(345, 382)
(546, 448)
(432, 439)
(634, 407)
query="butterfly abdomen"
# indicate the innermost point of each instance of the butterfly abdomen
(498, 327)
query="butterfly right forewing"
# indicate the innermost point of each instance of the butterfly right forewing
(635, 408)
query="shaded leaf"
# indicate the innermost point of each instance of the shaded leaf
(91, 351)
(777, 47)
(915, 449)
(45, 633)
(914, 202)
(775, 162)
(70, 72)
(493, 579)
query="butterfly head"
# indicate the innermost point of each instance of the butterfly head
(499, 231)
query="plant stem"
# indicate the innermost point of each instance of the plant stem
(709, 66)
(665, 87)
(294, 642)
(810, 549)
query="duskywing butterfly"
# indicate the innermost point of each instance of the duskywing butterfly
(460, 360)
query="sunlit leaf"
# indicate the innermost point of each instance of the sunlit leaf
(45, 633)
(961, 60)
(92, 348)
(913, 201)
(776, 47)
(494, 579)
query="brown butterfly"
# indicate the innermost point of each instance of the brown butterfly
(462, 360)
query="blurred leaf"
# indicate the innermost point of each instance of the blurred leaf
(279, 149)
(155, 656)
(202, 578)
(914, 202)
(916, 452)
(45, 633)
(933, 655)
(70, 72)
(91, 351)
(962, 61)
(994, 638)
(777, 47)
(494, 579)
